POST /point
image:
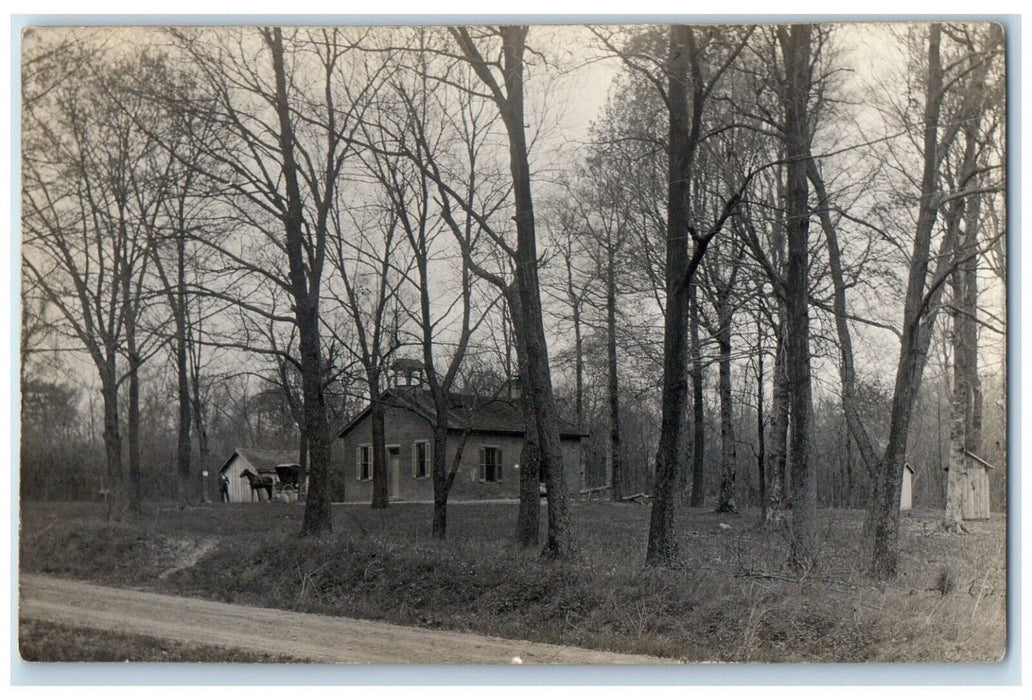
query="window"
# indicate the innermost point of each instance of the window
(490, 464)
(420, 460)
(364, 462)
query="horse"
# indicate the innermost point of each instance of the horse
(258, 482)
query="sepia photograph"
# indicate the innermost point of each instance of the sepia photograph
(512, 344)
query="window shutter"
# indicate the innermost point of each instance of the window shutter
(483, 463)
(429, 458)
(498, 464)
(415, 460)
(358, 463)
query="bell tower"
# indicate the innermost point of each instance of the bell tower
(408, 373)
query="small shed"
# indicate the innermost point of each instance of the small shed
(274, 463)
(906, 494)
(974, 503)
(974, 487)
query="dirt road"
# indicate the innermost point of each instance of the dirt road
(316, 638)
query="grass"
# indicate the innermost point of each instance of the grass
(46, 641)
(730, 600)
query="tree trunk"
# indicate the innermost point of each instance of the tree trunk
(183, 443)
(317, 503)
(528, 519)
(304, 283)
(380, 495)
(847, 372)
(538, 382)
(957, 478)
(547, 424)
(698, 412)
(921, 304)
(662, 549)
(112, 441)
(133, 418)
(133, 423)
(777, 454)
(847, 449)
(317, 518)
(761, 447)
(883, 508)
(203, 449)
(578, 351)
(616, 465)
(969, 273)
(795, 47)
(439, 523)
(183, 383)
(966, 409)
(302, 462)
(956, 475)
(728, 458)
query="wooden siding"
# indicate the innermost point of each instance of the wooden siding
(906, 494)
(239, 489)
(974, 503)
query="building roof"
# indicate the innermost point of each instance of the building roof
(480, 414)
(264, 460)
(407, 363)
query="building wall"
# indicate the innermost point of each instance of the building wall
(974, 503)
(404, 428)
(906, 492)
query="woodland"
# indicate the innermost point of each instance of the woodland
(762, 266)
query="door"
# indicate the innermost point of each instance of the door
(394, 471)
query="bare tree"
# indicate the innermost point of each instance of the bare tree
(570, 285)
(923, 292)
(366, 263)
(593, 218)
(619, 205)
(718, 278)
(284, 145)
(440, 385)
(504, 83)
(686, 67)
(501, 86)
(795, 43)
(698, 465)
(684, 78)
(175, 252)
(89, 196)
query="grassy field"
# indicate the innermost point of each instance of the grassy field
(731, 600)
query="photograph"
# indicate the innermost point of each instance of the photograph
(512, 344)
